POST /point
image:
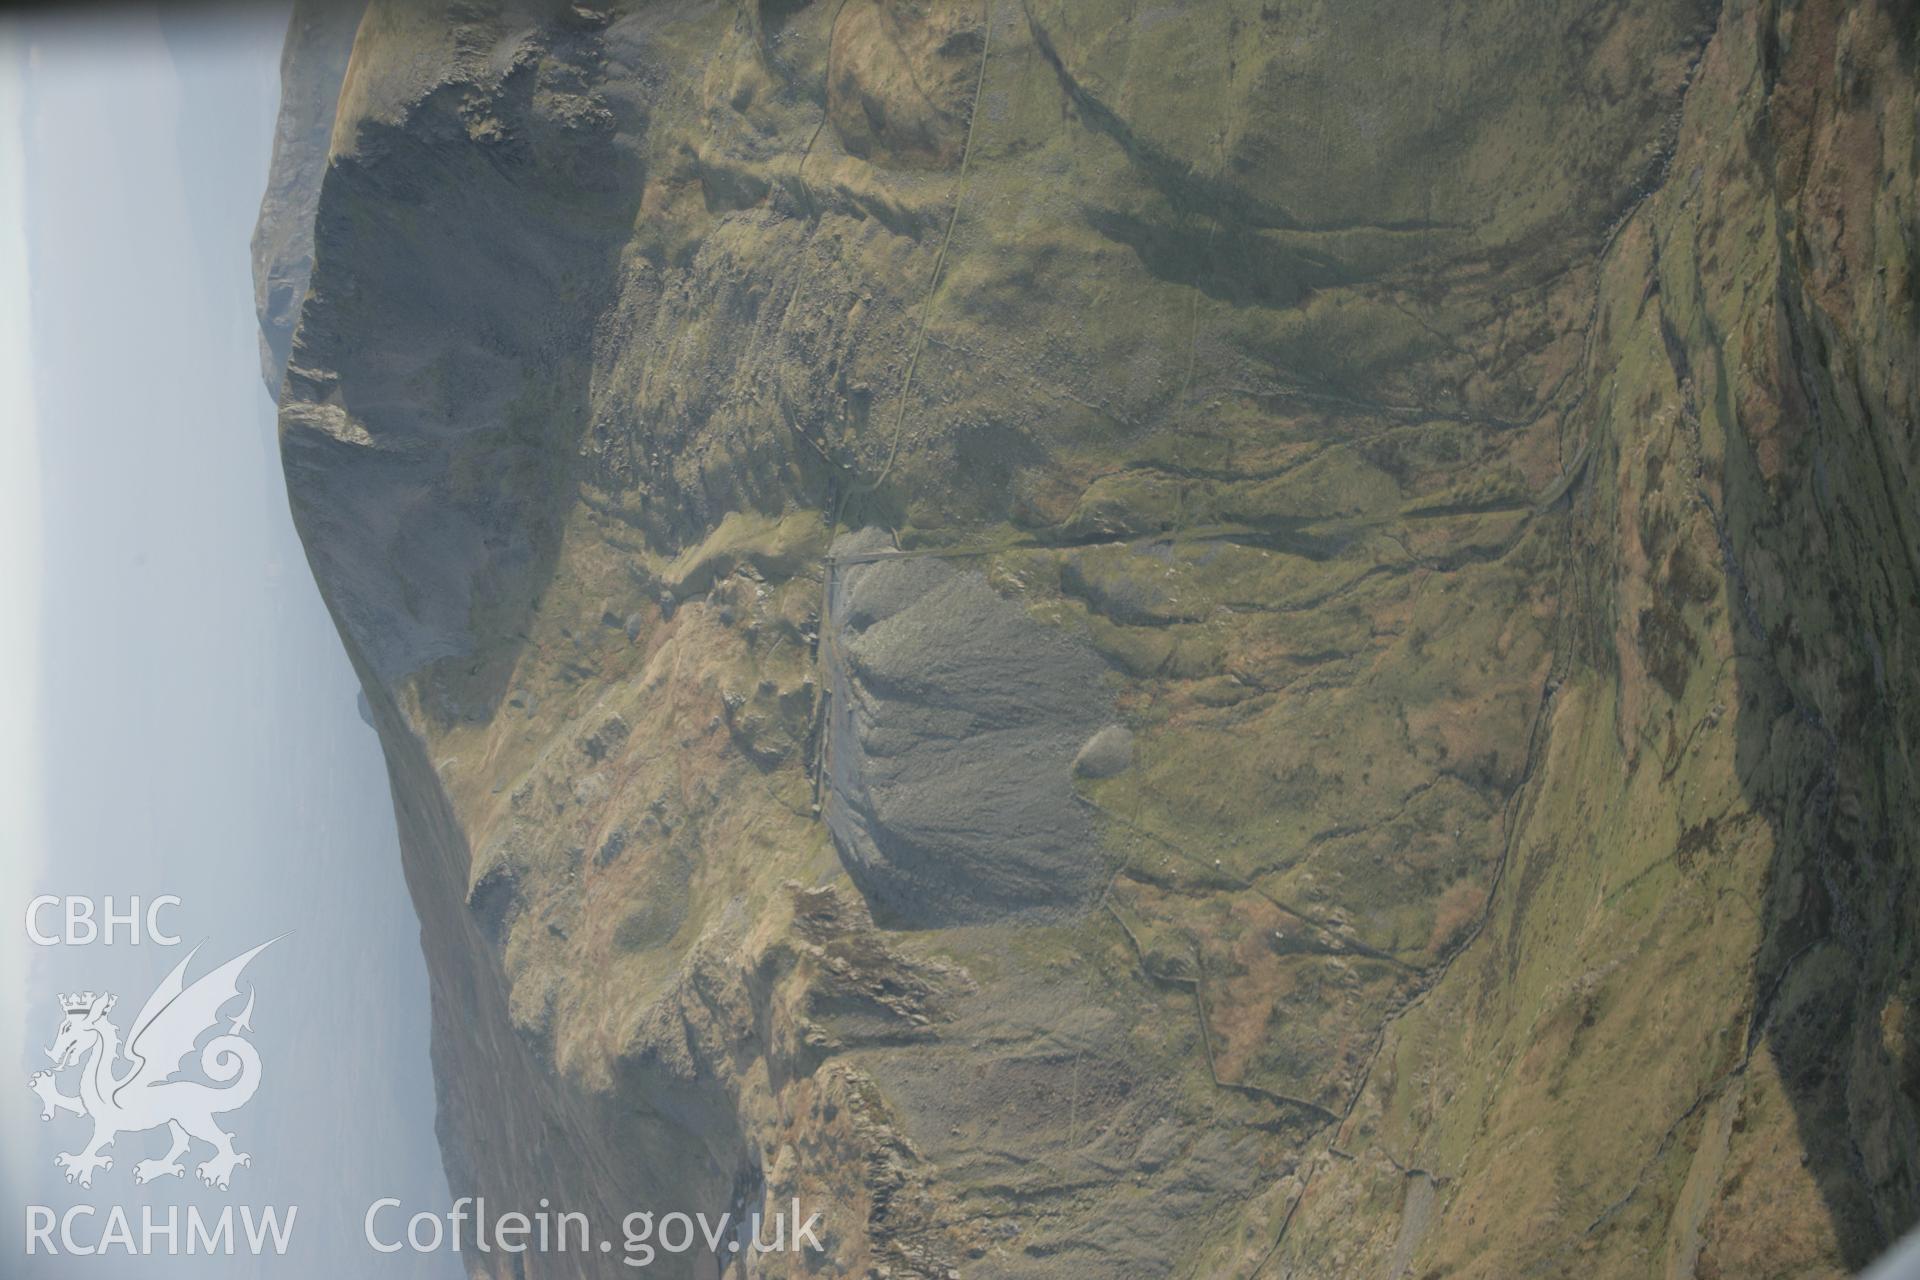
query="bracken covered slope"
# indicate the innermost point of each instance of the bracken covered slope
(1125, 639)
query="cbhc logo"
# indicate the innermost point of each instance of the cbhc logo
(84, 924)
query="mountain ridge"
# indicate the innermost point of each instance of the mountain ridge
(1472, 458)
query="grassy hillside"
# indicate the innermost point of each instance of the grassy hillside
(1149, 640)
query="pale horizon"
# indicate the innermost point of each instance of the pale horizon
(181, 712)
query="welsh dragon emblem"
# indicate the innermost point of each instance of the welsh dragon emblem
(132, 1089)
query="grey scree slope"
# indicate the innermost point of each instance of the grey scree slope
(953, 729)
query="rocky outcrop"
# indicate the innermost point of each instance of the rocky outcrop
(312, 65)
(1260, 640)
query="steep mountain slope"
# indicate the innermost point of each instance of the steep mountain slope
(1213, 640)
(312, 64)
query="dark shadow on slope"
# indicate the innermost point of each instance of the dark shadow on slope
(432, 413)
(1817, 752)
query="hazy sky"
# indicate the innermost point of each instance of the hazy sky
(178, 715)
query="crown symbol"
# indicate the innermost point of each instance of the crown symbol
(83, 1003)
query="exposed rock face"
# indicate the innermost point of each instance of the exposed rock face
(1470, 452)
(312, 65)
